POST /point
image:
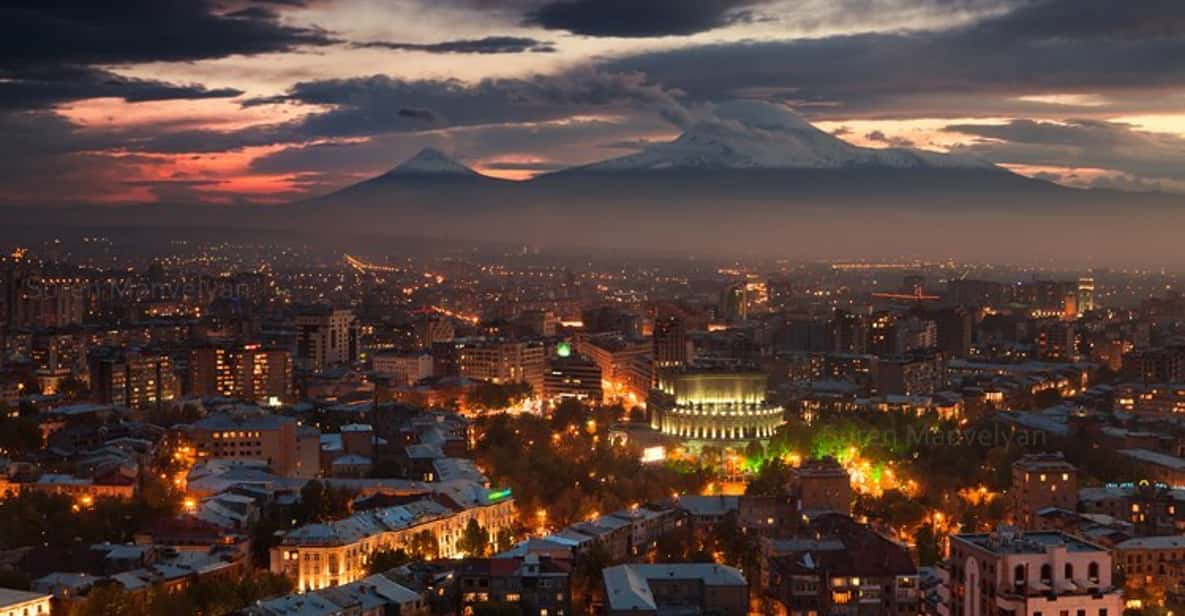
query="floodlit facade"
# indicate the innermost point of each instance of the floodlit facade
(317, 556)
(707, 404)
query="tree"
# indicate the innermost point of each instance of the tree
(319, 503)
(754, 451)
(927, 542)
(569, 412)
(73, 388)
(424, 546)
(495, 397)
(475, 540)
(385, 560)
(109, 599)
(770, 480)
(19, 436)
(504, 540)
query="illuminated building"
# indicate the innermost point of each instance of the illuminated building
(1058, 341)
(21, 603)
(1156, 364)
(326, 337)
(821, 485)
(372, 595)
(572, 377)
(56, 357)
(1085, 296)
(534, 585)
(1050, 296)
(882, 334)
(1151, 508)
(502, 361)
(433, 328)
(670, 342)
(289, 449)
(1152, 562)
(245, 371)
(1157, 466)
(317, 556)
(1015, 572)
(714, 404)
(1040, 481)
(611, 319)
(852, 368)
(83, 490)
(917, 373)
(133, 378)
(849, 332)
(403, 368)
(837, 566)
(694, 588)
(37, 301)
(625, 363)
(1150, 401)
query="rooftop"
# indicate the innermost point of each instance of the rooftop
(627, 587)
(12, 598)
(1155, 457)
(1012, 541)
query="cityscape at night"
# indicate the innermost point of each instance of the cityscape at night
(592, 307)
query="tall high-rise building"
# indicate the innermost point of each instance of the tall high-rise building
(132, 378)
(245, 371)
(955, 329)
(572, 376)
(670, 342)
(326, 337)
(34, 300)
(734, 302)
(971, 292)
(1085, 295)
(433, 328)
(1156, 364)
(502, 361)
(849, 332)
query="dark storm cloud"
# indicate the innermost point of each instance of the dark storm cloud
(426, 115)
(53, 52)
(552, 141)
(379, 104)
(487, 45)
(881, 137)
(41, 88)
(641, 18)
(1078, 143)
(1040, 47)
(85, 32)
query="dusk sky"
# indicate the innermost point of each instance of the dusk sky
(271, 101)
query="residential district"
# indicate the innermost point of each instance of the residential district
(280, 430)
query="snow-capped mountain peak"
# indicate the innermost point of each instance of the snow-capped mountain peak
(760, 135)
(431, 161)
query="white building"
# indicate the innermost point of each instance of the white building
(21, 603)
(403, 368)
(1046, 573)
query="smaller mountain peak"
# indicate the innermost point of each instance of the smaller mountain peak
(431, 161)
